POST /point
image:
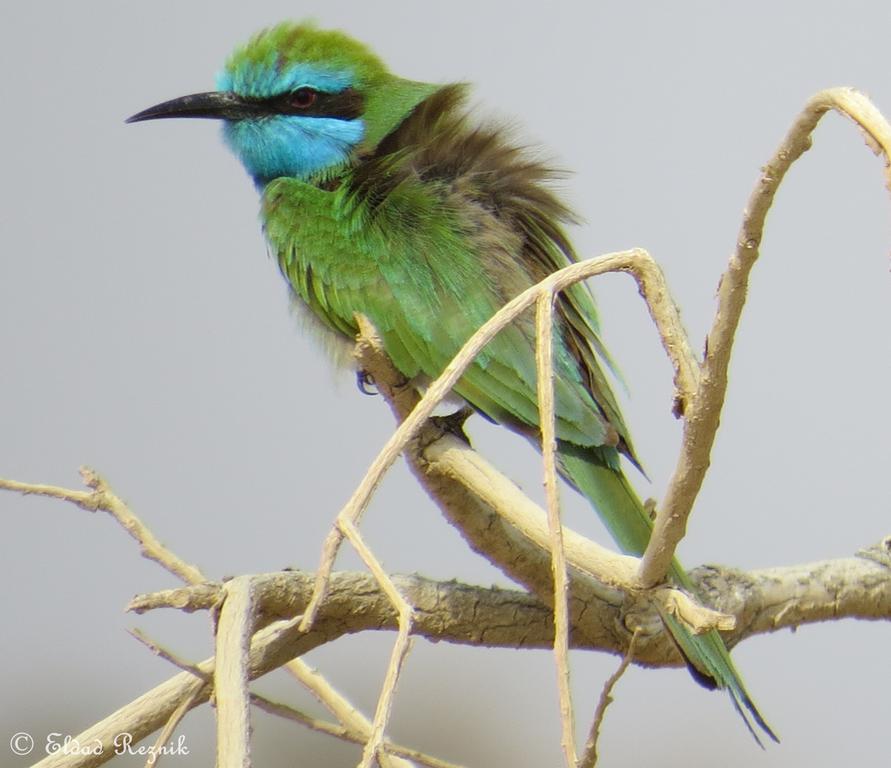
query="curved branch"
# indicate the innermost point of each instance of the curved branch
(702, 417)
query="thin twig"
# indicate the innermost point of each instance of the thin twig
(289, 713)
(400, 648)
(169, 729)
(334, 701)
(589, 757)
(400, 651)
(544, 360)
(400, 755)
(102, 497)
(168, 656)
(349, 717)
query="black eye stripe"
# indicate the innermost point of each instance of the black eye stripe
(345, 105)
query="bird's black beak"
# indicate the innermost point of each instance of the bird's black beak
(216, 105)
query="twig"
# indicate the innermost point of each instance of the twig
(400, 648)
(289, 713)
(589, 757)
(398, 755)
(102, 497)
(335, 702)
(349, 717)
(544, 360)
(168, 656)
(704, 410)
(169, 729)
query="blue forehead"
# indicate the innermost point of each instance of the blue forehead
(262, 81)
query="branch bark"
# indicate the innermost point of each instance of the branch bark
(762, 601)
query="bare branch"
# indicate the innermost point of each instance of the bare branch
(392, 754)
(169, 656)
(102, 497)
(230, 682)
(544, 358)
(501, 523)
(589, 756)
(762, 601)
(349, 717)
(400, 649)
(702, 415)
(169, 729)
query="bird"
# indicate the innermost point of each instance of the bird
(386, 197)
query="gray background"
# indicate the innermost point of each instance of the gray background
(144, 332)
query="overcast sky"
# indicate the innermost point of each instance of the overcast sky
(145, 332)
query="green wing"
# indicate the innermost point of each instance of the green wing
(428, 267)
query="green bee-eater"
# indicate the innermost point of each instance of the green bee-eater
(381, 196)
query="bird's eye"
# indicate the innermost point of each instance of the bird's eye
(302, 98)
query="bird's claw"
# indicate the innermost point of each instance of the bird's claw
(365, 383)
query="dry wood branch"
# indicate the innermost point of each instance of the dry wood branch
(289, 713)
(499, 521)
(166, 733)
(100, 496)
(762, 601)
(169, 656)
(400, 648)
(544, 358)
(589, 756)
(702, 414)
(352, 720)
(443, 611)
(233, 641)
(663, 310)
(394, 755)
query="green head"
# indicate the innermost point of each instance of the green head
(300, 101)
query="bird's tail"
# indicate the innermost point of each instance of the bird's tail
(629, 523)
